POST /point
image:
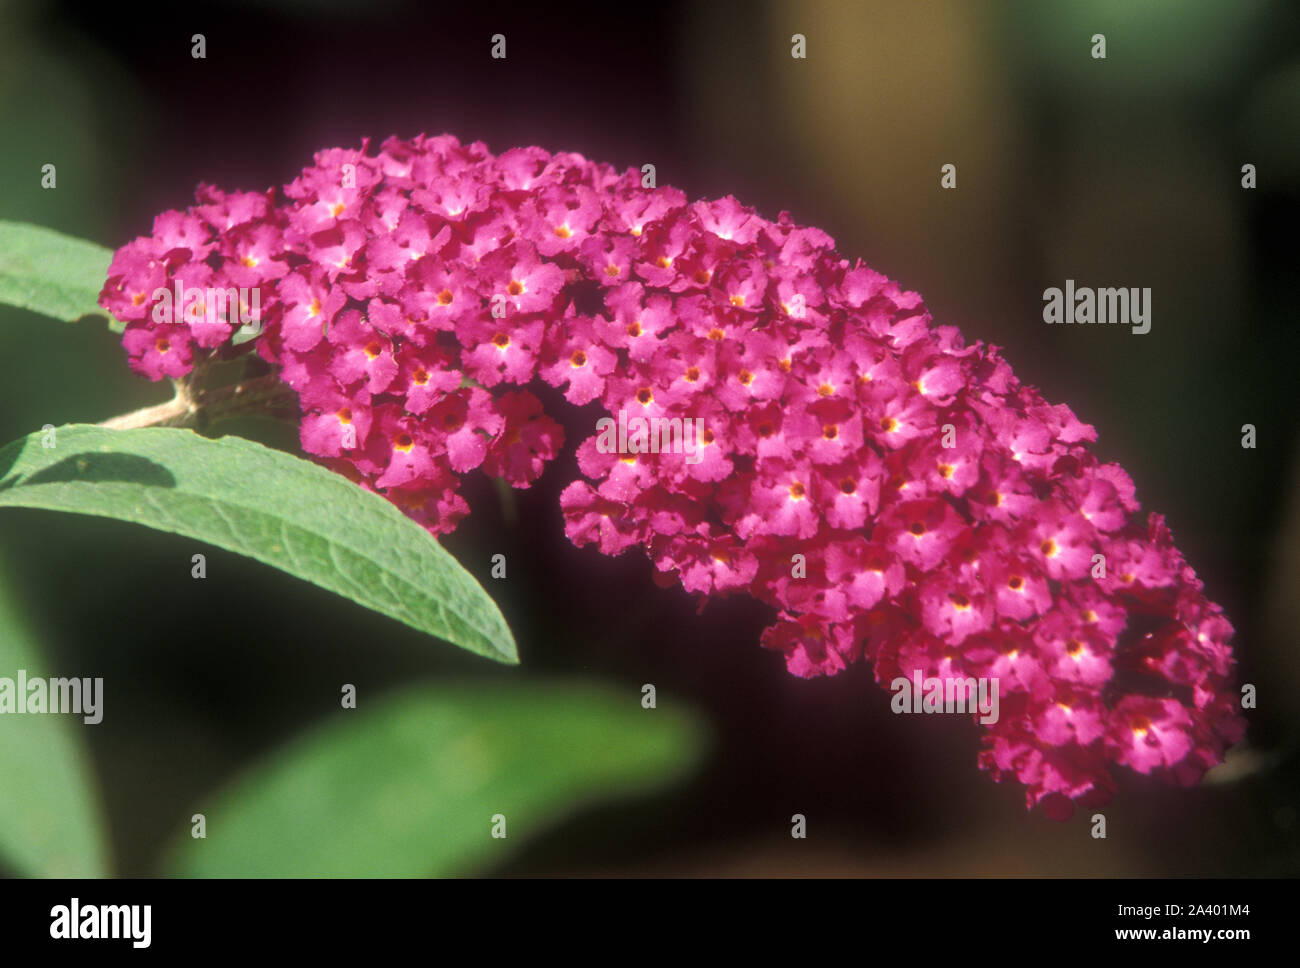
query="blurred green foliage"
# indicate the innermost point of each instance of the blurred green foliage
(438, 779)
(50, 822)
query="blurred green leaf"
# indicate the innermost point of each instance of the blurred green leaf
(409, 785)
(271, 506)
(50, 825)
(1186, 48)
(51, 273)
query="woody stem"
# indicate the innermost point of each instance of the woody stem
(191, 407)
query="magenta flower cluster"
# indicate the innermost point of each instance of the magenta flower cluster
(893, 493)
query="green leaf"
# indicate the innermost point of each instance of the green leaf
(50, 823)
(409, 786)
(52, 273)
(271, 506)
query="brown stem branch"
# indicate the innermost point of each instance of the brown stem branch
(179, 411)
(199, 408)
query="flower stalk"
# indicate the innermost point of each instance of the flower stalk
(192, 407)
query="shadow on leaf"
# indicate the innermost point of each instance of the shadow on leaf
(102, 469)
(9, 457)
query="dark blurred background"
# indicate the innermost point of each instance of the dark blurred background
(1124, 171)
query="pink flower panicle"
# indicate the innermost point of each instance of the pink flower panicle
(948, 516)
